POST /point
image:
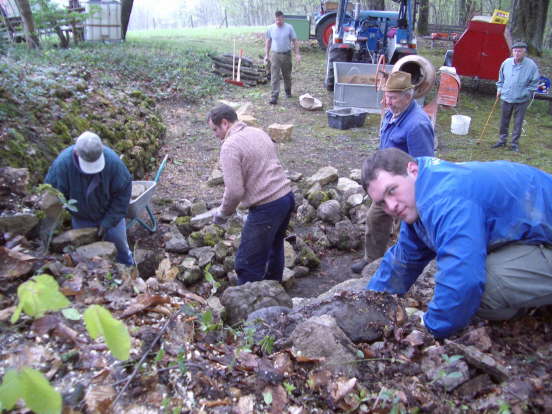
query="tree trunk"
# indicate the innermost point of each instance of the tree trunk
(126, 9)
(423, 17)
(63, 38)
(528, 21)
(28, 23)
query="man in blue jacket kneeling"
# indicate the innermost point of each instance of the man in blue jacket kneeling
(94, 175)
(488, 225)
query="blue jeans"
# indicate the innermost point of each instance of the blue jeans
(261, 252)
(116, 235)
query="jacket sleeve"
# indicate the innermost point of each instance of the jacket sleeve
(460, 239)
(56, 178)
(234, 186)
(533, 80)
(500, 81)
(120, 192)
(402, 264)
(420, 140)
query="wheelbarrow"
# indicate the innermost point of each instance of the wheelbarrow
(144, 191)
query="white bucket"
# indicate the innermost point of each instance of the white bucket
(460, 124)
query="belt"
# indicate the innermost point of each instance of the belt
(283, 53)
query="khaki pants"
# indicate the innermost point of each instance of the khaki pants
(518, 277)
(280, 66)
(378, 232)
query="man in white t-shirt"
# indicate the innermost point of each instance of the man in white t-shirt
(280, 37)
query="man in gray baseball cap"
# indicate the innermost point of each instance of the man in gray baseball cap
(93, 174)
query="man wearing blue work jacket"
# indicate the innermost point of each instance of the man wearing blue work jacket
(487, 224)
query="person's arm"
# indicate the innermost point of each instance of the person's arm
(420, 139)
(295, 43)
(234, 187)
(57, 178)
(120, 193)
(268, 45)
(458, 231)
(500, 81)
(533, 80)
(402, 264)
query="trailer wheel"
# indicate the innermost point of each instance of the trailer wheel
(324, 32)
(334, 54)
(448, 58)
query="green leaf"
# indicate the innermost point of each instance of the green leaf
(38, 394)
(72, 314)
(10, 390)
(267, 397)
(38, 296)
(100, 322)
(31, 386)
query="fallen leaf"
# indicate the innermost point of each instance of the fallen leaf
(338, 389)
(14, 264)
(98, 398)
(143, 302)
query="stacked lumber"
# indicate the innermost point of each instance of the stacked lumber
(251, 73)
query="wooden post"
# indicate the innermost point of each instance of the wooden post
(192, 22)
(225, 18)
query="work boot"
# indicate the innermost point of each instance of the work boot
(273, 100)
(288, 94)
(499, 144)
(357, 266)
(514, 147)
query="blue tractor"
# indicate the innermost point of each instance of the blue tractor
(366, 36)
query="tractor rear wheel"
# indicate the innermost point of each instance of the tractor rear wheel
(324, 33)
(334, 54)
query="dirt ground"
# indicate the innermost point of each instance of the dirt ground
(194, 151)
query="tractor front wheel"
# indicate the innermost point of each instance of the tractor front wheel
(334, 54)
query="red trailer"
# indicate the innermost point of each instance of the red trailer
(481, 49)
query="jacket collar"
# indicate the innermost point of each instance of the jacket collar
(236, 127)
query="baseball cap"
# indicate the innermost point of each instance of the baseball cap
(89, 149)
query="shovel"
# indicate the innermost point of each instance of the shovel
(236, 78)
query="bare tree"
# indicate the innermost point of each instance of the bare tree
(528, 21)
(423, 17)
(28, 23)
(126, 10)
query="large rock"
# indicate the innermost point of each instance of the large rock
(344, 236)
(321, 338)
(204, 255)
(305, 213)
(305, 255)
(74, 237)
(14, 180)
(240, 301)
(216, 178)
(324, 175)
(280, 132)
(289, 254)
(147, 262)
(103, 249)
(348, 187)
(363, 315)
(176, 242)
(329, 211)
(18, 224)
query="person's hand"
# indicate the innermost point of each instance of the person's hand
(266, 59)
(298, 57)
(498, 94)
(101, 232)
(219, 218)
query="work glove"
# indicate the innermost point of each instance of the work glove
(219, 218)
(101, 232)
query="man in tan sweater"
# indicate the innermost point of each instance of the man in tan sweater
(254, 178)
